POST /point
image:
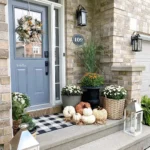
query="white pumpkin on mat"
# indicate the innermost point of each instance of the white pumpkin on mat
(100, 114)
(87, 112)
(88, 119)
(76, 118)
(69, 111)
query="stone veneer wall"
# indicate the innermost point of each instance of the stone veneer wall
(109, 24)
(115, 22)
(129, 16)
(74, 70)
(5, 97)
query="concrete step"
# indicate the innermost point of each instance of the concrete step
(120, 141)
(74, 136)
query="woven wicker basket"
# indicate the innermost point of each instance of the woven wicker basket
(115, 108)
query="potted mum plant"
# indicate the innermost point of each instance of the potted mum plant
(71, 95)
(91, 82)
(19, 103)
(114, 101)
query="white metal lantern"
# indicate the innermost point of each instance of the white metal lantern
(133, 116)
(23, 140)
(81, 15)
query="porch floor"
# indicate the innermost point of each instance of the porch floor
(73, 136)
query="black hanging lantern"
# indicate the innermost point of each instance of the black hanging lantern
(136, 42)
(81, 15)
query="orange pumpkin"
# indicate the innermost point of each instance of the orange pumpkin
(79, 108)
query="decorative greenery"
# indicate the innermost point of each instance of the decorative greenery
(92, 80)
(145, 103)
(29, 29)
(89, 56)
(71, 90)
(28, 119)
(19, 103)
(114, 92)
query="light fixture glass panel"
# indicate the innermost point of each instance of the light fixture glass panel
(83, 14)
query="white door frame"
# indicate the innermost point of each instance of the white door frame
(51, 26)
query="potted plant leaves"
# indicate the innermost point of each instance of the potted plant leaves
(71, 95)
(26, 118)
(92, 82)
(19, 103)
(145, 103)
(114, 101)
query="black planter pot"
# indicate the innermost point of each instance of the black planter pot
(92, 96)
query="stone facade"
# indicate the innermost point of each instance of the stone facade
(5, 97)
(74, 70)
(111, 24)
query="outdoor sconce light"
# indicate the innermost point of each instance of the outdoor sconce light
(81, 15)
(136, 42)
(133, 116)
(23, 140)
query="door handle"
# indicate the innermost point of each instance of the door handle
(46, 67)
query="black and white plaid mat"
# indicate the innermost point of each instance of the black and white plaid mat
(50, 123)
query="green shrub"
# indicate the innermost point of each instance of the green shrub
(19, 103)
(28, 120)
(145, 103)
(92, 80)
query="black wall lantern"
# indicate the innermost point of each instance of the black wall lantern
(136, 42)
(81, 15)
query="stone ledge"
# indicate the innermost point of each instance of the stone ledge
(128, 68)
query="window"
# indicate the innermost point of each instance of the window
(24, 50)
(57, 54)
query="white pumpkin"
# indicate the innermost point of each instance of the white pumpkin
(87, 112)
(77, 117)
(69, 111)
(88, 119)
(100, 114)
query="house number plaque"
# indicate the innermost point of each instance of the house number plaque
(78, 39)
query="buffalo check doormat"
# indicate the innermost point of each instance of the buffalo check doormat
(49, 123)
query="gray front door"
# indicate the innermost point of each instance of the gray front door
(29, 62)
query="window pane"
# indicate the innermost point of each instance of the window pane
(56, 18)
(57, 88)
(57, 56)
(57, 37)
(33, 49)
(57, 74)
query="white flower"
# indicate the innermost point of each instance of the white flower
(22, 101)
(14, 99)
